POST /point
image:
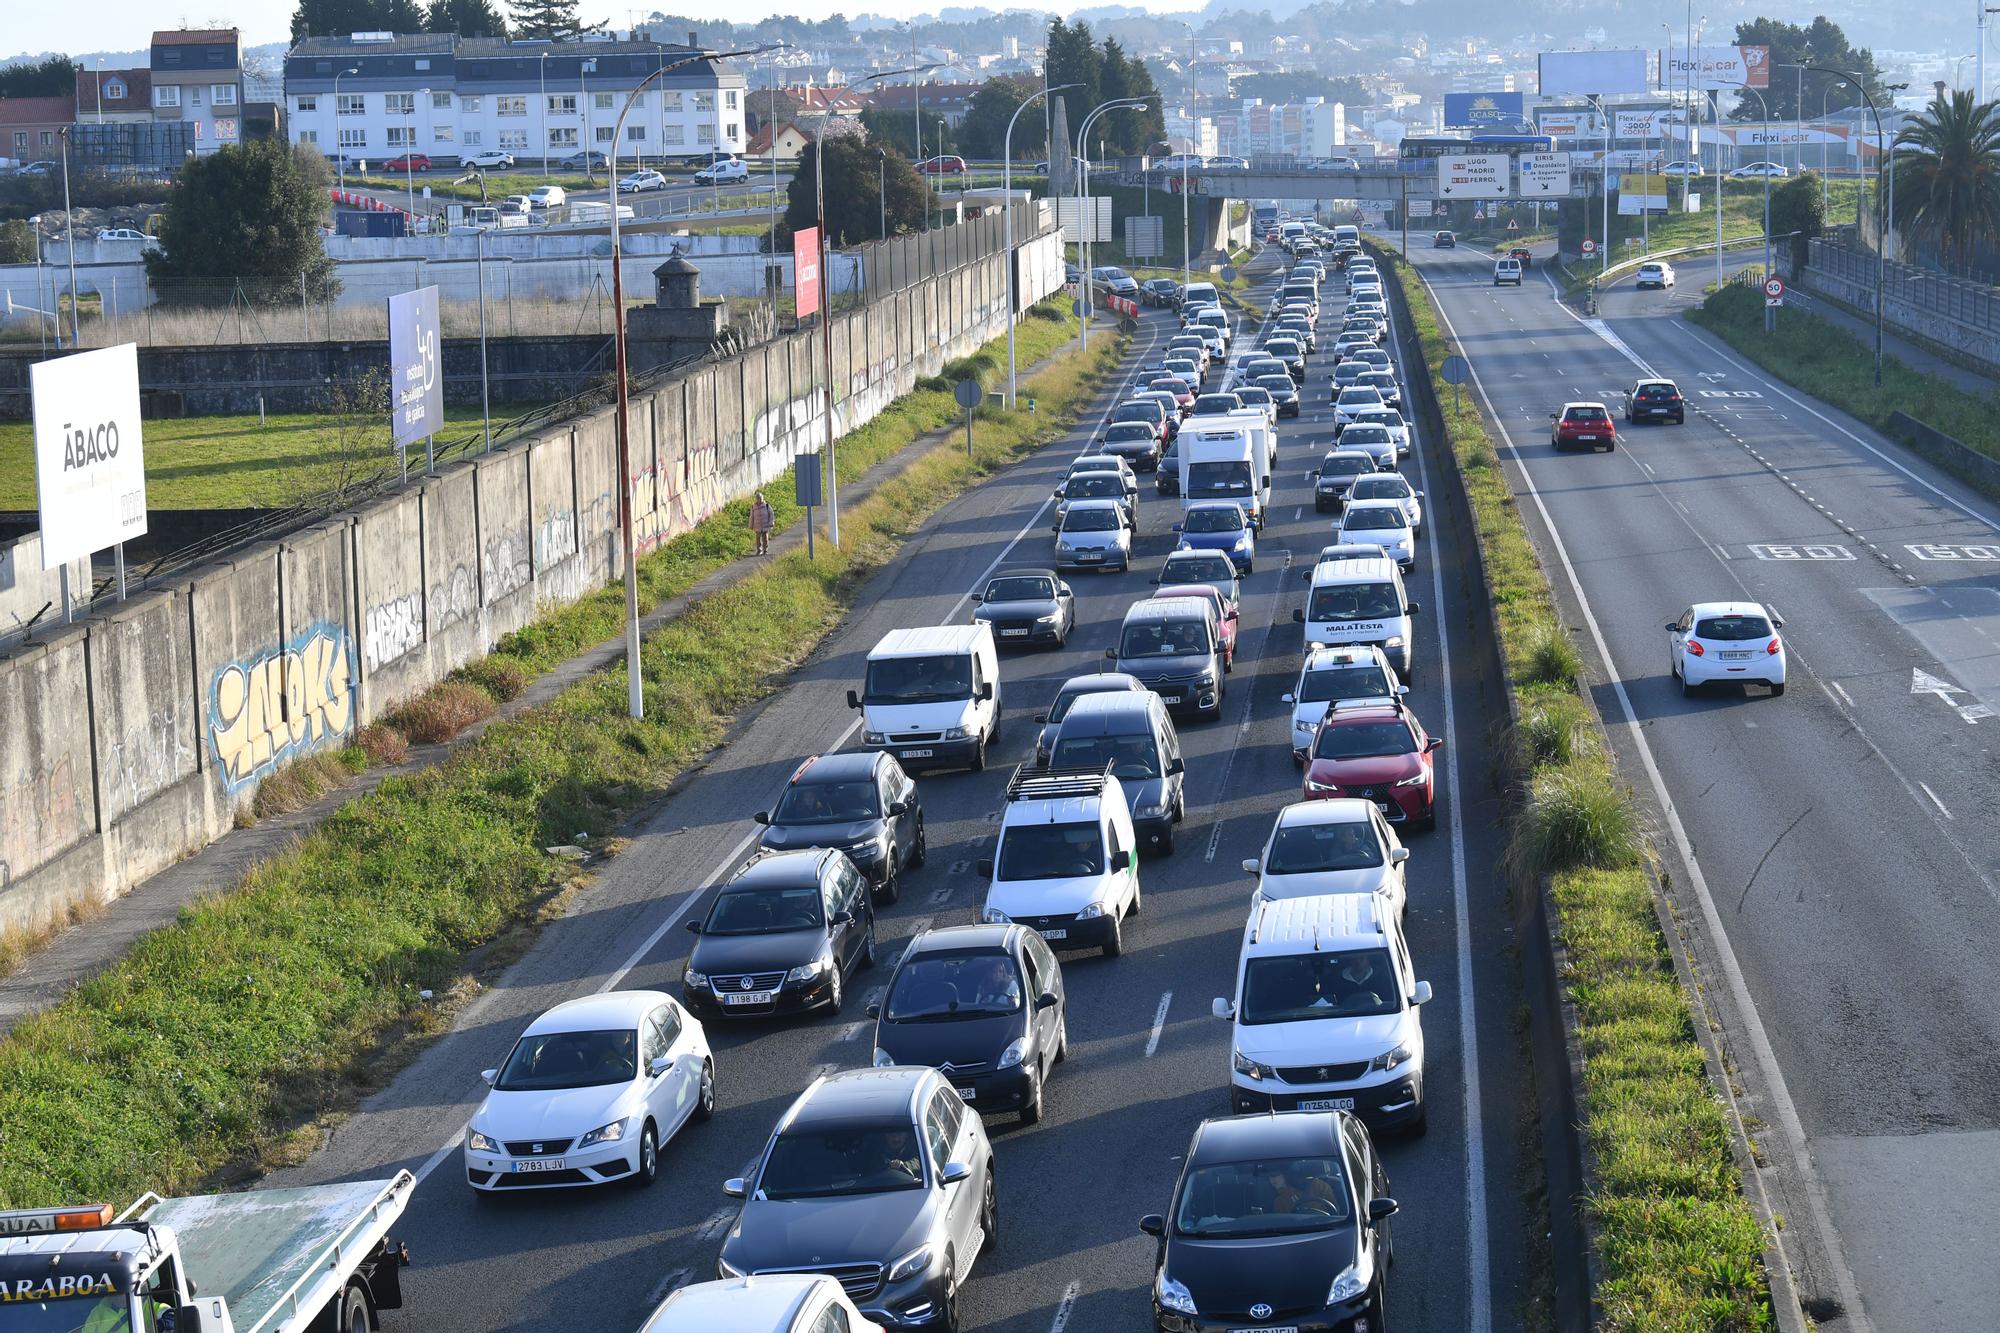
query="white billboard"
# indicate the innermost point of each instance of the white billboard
(1477, 176)
(1545, 175)
(1571, 124)
(1652, 124)
(90, 463)
(1602, 72)
(1717, 67)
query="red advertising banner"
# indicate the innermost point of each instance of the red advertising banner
(805, 271)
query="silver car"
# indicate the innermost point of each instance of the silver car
(880, 1178)
(1095, 534)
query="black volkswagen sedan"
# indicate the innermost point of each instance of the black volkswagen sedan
(782, 936)
(861, 802)
(983, 1005)
(1278, 1221)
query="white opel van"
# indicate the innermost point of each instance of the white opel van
(931, 696)
(1360, 602)
(1067, 866)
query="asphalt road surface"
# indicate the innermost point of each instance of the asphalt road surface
(1147, 1059)
(1844, 839)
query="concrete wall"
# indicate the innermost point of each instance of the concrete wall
(1822, 275)
(26, 588)
(130, 739)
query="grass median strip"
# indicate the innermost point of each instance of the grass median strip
(264, 1008)
(1679, 1249)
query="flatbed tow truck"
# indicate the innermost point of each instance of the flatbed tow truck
(311, 1260)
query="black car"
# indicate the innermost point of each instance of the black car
(1290, 351)
(1282, 391)
(1160, 292)
(1277, 1220)
(862, 803)
(1134, 441)
(782, 936)
(984, 1006)
(1655, 400)
(1444, 240)
(1167, 474)
(1027, 606)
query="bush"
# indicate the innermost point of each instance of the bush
(1552, 658)
(1555, 728)
(1574, 816)
(383, 744)
(296, 785)
(442, 711)
(502, 677)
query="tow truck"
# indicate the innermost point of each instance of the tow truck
(311, 1260)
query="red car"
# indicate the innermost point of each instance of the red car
(947, 165)
(1225, 614)
(408, 162)
(1378, 752)
(1178, 387)
(1583, 426)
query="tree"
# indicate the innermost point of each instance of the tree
(853, 205)
(1821, 43)
(51, 76)
(1073, 59)
(249, 211)
(467, 18)
(984, 131)
(547, 18)
(1798, 209)
(1142, 129)
(1298, 86)
(762, 109)
(896, 130)
(1947, 174)
(17, 242)
(335, 18)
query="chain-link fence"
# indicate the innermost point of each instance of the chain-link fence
(1974, 304)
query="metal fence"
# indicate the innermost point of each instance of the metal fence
(1974, 304)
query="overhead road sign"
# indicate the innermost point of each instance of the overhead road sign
(1545, 176)
(1475, 176)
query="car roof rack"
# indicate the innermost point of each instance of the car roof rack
(1394, 702)
(1041, 782)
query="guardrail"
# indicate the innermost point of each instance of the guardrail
(1707, 247)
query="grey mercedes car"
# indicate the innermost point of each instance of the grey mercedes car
(880, 1178)
(1027, 606)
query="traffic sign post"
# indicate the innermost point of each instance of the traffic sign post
(1455, 369)
(1545, 175)
(1774, 290)
(1475, 176)
(968, 393)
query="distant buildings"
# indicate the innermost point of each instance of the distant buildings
(197, 81)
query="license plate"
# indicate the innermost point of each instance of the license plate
(750, 997)
(1054, 934)
(1085, 557)
(1586, 437)
(1383, 806)
(966, 1094)
(1268, 1328)
(1735, 657)
(1013, 633)
(1170, 698)
(1328, 1104)
(914, 754)
(538, 1164)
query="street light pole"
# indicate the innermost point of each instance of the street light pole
(69, 242)
(545, 119)
(1083, 193)
(340, 155)
(1604, 188)
(1882, 242)
(1766, 173)
(1007, 212)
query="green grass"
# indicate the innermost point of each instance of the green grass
(1829, 362)
(1679, 1247)
(1742, 216)
(272, 1005)
(232, 462)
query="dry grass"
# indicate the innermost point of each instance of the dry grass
(383, 744)
(442, 711)
(296, 785)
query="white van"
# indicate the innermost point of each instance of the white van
(1326, 1012)
(1067, 865)
(1215, 317)
(932, 696)
(1347, 234)
(1360, 602)
(1197, 294)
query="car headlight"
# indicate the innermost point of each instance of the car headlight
(911, 1264)
(1063, 545)
(1090, 912)
(1352, 1282)
(1151, 811)
(1393, 641)
(1173, 1295)
(883, 1059)
(993, 916)
(1249, 1068)
(1390, 1059)
(1321, 786)
(1052, 618)
(1204, 680)
(955, 734)
(1414, 780)
(694, 979)
(874, 738)
(477, 1142)
(1016, 1052)
(610, 1133)
(807, 971)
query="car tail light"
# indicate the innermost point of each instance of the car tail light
(1695, 647)
(1772, 647)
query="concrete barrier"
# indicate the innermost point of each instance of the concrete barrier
(131, 739)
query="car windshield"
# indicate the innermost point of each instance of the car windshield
(1255, 395)
(1278, 386)
(1373, 519)
(1171, 385)
(1364, 740)
(1383, 417)
(1128, 430)
(1197, 568)
(1019, 589)
(1357, 395)
(1133, 756)
(918, 680)
(1093, 485)
(1164, 638)
(1280, 1197)
(941, 987)
(1302, 849)
(1214, 404)
(1357, 435)
(827, 803)
(1381, 488)
(819, 1162)
(1229, 477)
(549, 1060)
(1325, 684)
(1284, 347)
(1348, 984)
(1139, 412)
(765, 910)
(1380, 380)
(1050, 851)
(1091, 520)
(1355, 601)
(1585, 414)
(1224, 518)
(1732, 628)
(1268, 365)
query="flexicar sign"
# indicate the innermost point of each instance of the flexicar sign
(90, 461)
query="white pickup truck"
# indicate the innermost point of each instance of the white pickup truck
(266, 1261)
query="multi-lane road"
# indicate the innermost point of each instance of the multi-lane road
(1148, 1061)
(1837, 850)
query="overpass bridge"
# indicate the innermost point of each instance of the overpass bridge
(1387, 180)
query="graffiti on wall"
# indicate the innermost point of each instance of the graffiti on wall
(506, 566)
(391, 629)
(40, 816)
(280, 704)
(455, 598)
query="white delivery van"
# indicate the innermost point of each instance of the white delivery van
(1225, 461)
(1197, 295)
(1258, 422)
(931, 696)
(1347, 234)
(1360, 602)
(1215, 317)
(1067, 866)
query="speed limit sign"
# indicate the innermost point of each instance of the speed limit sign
(1589, 247)
(1774, 290)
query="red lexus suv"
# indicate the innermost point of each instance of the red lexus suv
(1379, 752)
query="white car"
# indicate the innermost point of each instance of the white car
(1381, 523)
(1389, 419)
(1726, 641)
(1759, 170)
(489, 160)
(547, 196)
(716, 173)
(1094, 534)
(766, 1303)
(642, 180)
(1067, 864)
(1683, 169)
(122, 234)
(1391, 486)
(1337, 846)
(1352, 400)
(589, 1093)
(1356, 671)
(1654, 273)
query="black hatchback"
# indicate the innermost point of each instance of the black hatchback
(1277, 1220)
(861, 802)
(984, 1006)
(782, 936)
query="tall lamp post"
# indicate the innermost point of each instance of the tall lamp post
(1765, 172)
(1604, 187)
(1083, 193)
(69, 243)
(340, 155)
(1882, 242)
(635, 694)
(544, 118)
(1007, 212)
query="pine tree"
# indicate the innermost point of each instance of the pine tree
(467, 18)
(547, 18)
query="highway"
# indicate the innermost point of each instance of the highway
(1147, 1062)
(1836, 850)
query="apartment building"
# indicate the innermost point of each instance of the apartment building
(197, 80)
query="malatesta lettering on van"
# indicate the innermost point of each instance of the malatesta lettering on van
(84, 445)
(68, 1287)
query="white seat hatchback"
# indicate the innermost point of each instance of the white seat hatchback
(1337, 846)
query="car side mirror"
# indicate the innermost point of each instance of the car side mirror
(658, 1065)
(187, 1319)
(1422, 994)
(900, 807)
(1046, 1000)
(1671, 626)
(1155, 582)
(1402, 690)
(1063, 590)
(1299, 617)
(841, 918)
(1381, 1210)
(488, 1076)
(873, 1009)
(954, 1172)
(1056, 526)
(1041, 719)
(1222, 1008)
(1552, 416)
(1121, 860)
(1777, 621)
(694, 927)
(1153, 1224)
(984, 868)
(1176, 767)
(1251, 865)
(853, 699)
(1413, 608)
(1434, 743)
(736, 1187)
(761, 817)
(1399, 855)
(1176, 527)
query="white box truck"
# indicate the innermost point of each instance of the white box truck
(1225, 461)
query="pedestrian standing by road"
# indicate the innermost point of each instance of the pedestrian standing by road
(762, 520)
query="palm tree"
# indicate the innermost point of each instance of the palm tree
(1947, 169)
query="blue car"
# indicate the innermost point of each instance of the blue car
(1219, 525)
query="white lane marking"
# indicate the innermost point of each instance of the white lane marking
(1758, 1040)
(1923, 682)
(1159, 1024)
(1066, 1308)
(1935, 801)
(1243, 728)
(1834, 685)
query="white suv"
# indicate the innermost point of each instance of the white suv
(1326, 1014)
(1325, 847)
(1067, 866)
